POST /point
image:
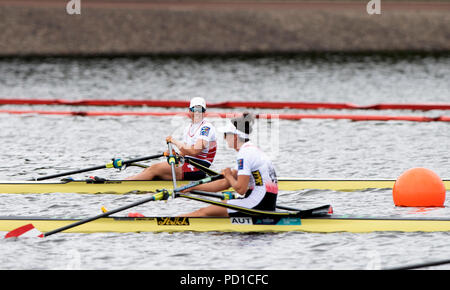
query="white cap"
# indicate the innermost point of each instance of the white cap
(197, 101)
(230, 129)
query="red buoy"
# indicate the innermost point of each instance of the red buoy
(419, 187)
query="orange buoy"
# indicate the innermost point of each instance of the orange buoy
(419, 187)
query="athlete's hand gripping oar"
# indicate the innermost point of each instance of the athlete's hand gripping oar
(162, 195)
(116, 163)
(172, 161)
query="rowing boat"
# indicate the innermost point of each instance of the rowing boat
(128, 186)
(327, 224)
(318, 219)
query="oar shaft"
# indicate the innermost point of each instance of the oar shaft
(242, 209)
(212, 172)
(96, 167)
(319, 211)
(143, 158)
(231, 195)
(68, 173)
(139, 202)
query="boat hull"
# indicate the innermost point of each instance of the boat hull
(330, 224)
(127, 186)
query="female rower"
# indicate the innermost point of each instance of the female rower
(199, 144)
(255, 176)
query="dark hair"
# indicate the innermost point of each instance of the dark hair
(244, 123)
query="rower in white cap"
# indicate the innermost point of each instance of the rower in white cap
(199, 144)
(254, 176)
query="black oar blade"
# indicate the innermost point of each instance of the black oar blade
(323, 210)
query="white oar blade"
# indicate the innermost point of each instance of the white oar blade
(24, 231)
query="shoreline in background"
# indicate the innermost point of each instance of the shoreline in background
(209, 28)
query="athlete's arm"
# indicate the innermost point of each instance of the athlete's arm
(195, 149)
(215, 186)
(189, 150)
(238, 182)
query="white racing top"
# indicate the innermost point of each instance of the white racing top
(263, 179)
(202, 130)
(254, 162)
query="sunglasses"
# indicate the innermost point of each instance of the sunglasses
(197, 109)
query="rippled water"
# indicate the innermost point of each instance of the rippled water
(35, 145)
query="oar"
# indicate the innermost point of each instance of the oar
(187, 160)
(317, 211)
(227, 195)
(117, 163)
(162, 195)
(313, 212)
